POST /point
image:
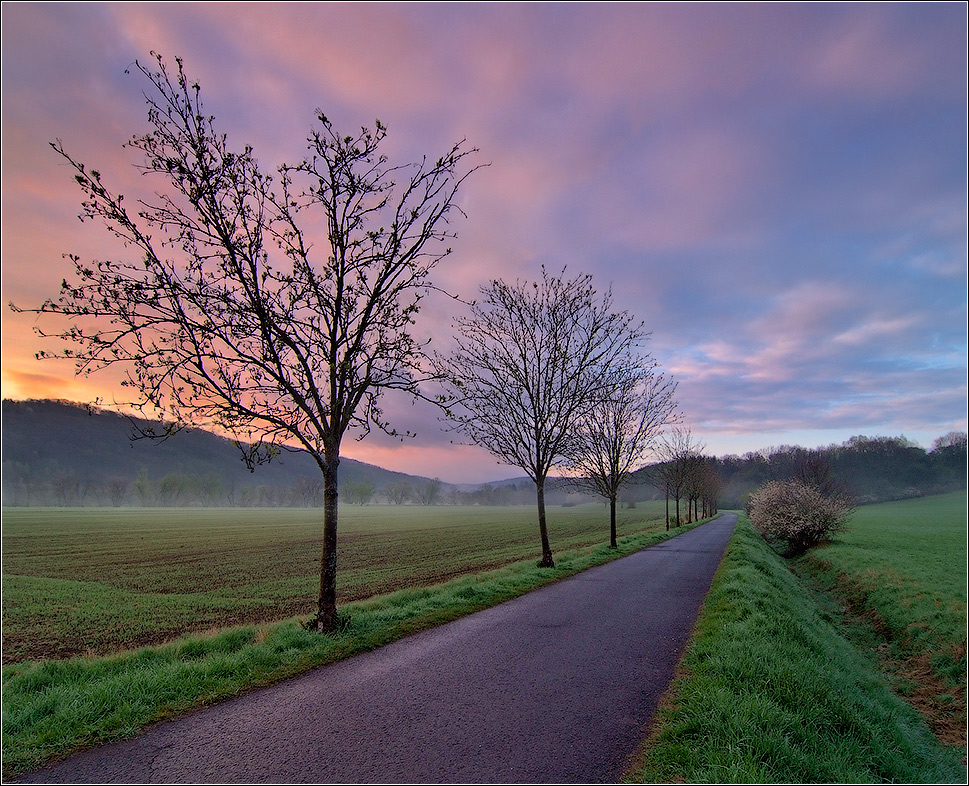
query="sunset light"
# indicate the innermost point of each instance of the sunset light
(777, 190)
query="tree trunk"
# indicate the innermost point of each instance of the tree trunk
(326, 615)
(667, 490)
(612, 522)
(546, 561)
(677, 510)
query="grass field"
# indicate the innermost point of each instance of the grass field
(770, 690)
(901, 567)
(94, 581)
(54, 707)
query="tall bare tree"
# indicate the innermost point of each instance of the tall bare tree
(620, 428)
(528, 364)
(277, 311)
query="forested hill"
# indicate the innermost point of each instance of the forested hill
(871, 469)
(57, 452)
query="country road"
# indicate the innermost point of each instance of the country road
(556, 686)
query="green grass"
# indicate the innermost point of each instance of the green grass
(771, 688)
(770, 691)
(52, 708)
(901, 567)
(94, 581)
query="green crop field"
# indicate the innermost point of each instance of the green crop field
(94, 581)
(782, 681)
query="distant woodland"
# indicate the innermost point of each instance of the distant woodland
(62, 454)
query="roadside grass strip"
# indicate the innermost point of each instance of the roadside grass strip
(53, 708)
(770, 691)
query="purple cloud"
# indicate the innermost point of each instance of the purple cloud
(779, 191)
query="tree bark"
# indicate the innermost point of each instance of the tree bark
(612, 522)
(326, 615)
(667, 490)
(546, 561)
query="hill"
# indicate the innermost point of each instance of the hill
(57, 452)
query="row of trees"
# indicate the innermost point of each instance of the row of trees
(547, 374)
(280, 308)
(178, 489)
(685, 474)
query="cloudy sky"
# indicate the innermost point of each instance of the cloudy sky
(777, 190)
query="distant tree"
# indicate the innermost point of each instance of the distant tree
(66, 486)
(307, 491)
(144, 488)
(949, 454)
(815, 469)
(529, 361)
(209, 488)
(679, 453)
(277, 312)
(117, 488)
(400, 492)
(617, 432)
(429, 492)
(17, 483)
(954, 439)
(172, 488)
(702, 484)
(711, 485)
(360, 492)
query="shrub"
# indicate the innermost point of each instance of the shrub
(796, 515)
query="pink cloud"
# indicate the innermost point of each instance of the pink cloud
(750, 178)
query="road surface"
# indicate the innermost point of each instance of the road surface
(556, 686)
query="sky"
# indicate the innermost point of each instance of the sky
(778, 191)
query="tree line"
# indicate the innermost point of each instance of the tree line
(871, 469)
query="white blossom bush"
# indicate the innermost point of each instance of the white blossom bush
(795, 515)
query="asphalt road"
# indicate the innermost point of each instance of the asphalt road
(557, 686)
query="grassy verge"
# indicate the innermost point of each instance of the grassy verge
(900, 569)
(770, 691)
(53, 708)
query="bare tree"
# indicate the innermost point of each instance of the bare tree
(529, 361)
(399, 492)
(711, 486)
(702, 487)
(678, 451)
(429, 492)
(278, 312)
(618, 431)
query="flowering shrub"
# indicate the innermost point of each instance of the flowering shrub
(796, 515)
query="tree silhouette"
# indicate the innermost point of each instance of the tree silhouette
(277, 311)
(619, 430)
(529, 362)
